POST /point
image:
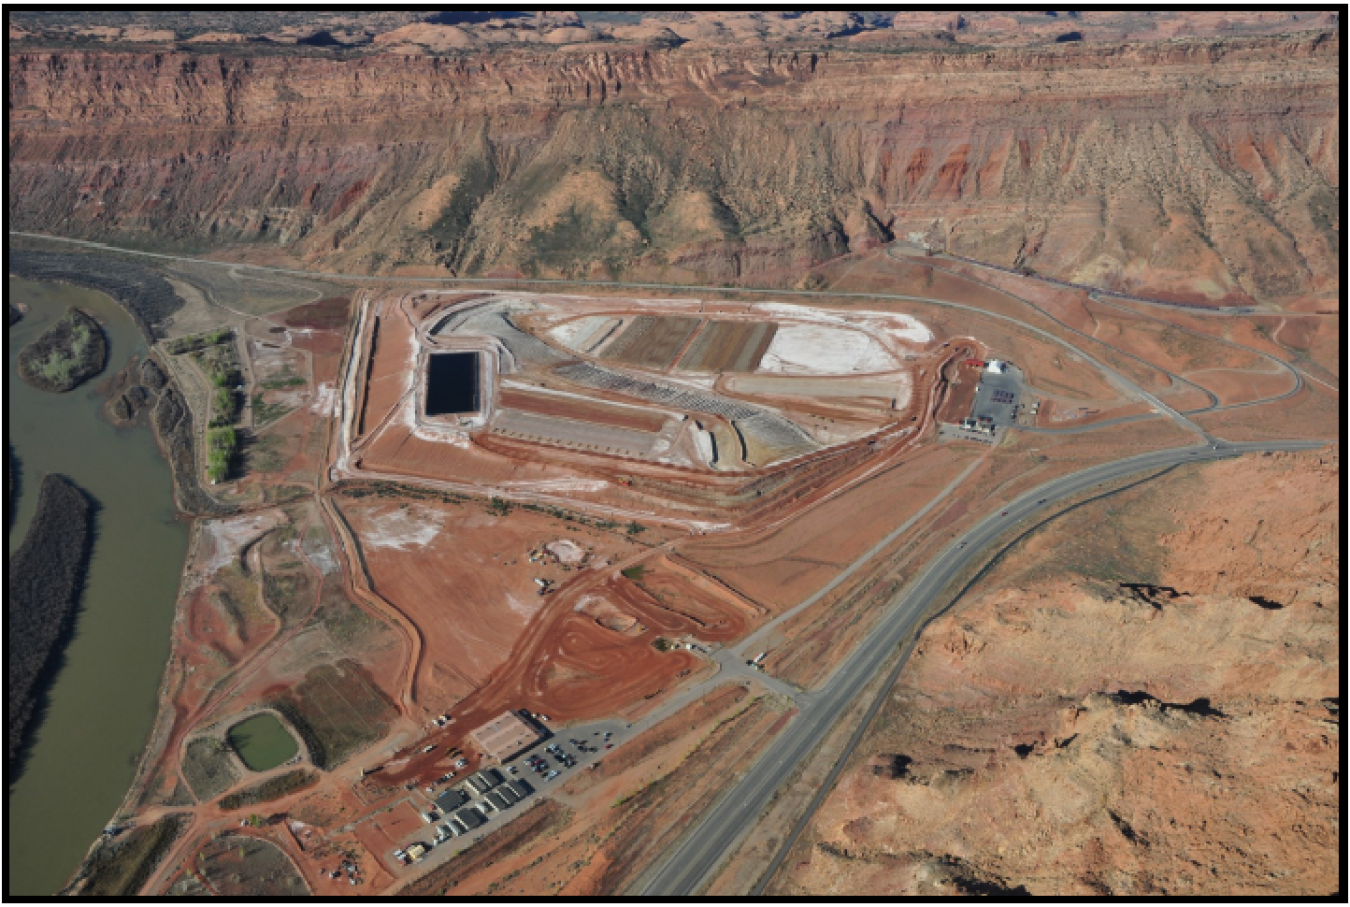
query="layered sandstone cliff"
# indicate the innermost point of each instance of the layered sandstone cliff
(1200, 168)
(1164, 718)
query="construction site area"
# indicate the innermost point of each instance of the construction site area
(595, 541)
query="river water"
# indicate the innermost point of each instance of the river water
(104, 699)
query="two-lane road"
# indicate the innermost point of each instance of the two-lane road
(714, 836)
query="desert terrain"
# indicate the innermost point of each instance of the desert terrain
(709, 499)
(724, 453)
(1066, 732)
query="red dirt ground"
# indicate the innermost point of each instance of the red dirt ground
(397, 451)
(464, 578)
(780, 567)
(390, 373)
(1238, 386)
(964, 379)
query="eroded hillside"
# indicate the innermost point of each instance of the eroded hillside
(1161, 717)
(1200, 168)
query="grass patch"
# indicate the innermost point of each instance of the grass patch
(636, 572)
(284, 381)
(325, 314)
(287, 594)
(265, 413)
(383, 489)
(266, 454)
(197, 342)
(208, 767)
(337, 710)
(349, 625)
(271, 789)
(119, 868)
(238, 867)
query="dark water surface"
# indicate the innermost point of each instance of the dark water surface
(103, 702)
(452, 383)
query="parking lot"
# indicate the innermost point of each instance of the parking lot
(997, 395)
(476, 804)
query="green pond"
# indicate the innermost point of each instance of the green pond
(102, 703)
(262, 742)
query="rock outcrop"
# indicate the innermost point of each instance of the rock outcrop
(1070, 736)
(1203, 168)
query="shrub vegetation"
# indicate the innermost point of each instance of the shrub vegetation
(66, 354)
(46, 576)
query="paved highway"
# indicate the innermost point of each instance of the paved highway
(725, 823)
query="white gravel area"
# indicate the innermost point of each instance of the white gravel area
(823, 349)
(403, 528)
(577, 333)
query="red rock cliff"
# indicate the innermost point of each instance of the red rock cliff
(1201, 167)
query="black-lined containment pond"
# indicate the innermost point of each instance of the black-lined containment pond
(452, 383)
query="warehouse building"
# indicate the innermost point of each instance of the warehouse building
(482, 782)
(470, 818)
(506, 736)
(451, 800)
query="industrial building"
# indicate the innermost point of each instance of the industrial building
(470, 818)
(506, 736)
(483, 781)
(451, 800)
